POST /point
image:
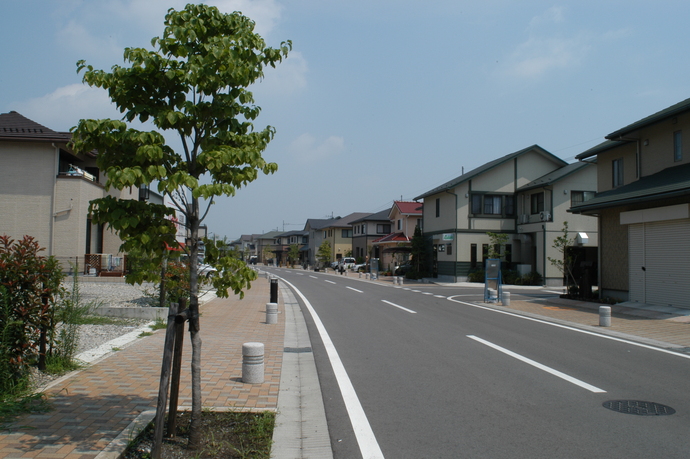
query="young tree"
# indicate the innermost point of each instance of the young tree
(418, 254)
(498, 240)
(565, 263)
(267, 253)
(324, 253)
(193, 84)
(293, 253)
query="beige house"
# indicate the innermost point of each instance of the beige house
(45, 191)
(498, 197)
(643, 205)
(338, 232)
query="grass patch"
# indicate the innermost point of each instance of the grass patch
(159, 324)
(226, 434)
(144, 334)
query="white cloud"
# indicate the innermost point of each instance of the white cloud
(288, 77)
(306, 148)
(64, 107)
(553, 15)
(537, 56)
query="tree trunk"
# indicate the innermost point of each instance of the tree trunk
(195, 423)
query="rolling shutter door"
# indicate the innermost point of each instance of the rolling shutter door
(666, 257)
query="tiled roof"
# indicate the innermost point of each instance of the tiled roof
(393, 237)
(378, 216)
(555, 176)
(488, 166)
(669, 112)
(14, 126)
(602, 147)
(671, 182)
(409, 207)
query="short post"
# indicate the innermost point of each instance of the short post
(505, 300)
(366, 276)
(604, 316)
(401, 280)
(253, 363)
(271, 313)
(360, 275)
(274, 290)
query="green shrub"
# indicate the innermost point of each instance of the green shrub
(476, 276)
(533, 278)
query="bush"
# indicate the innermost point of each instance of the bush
(533, 278)
(31, 291)
(476, 276)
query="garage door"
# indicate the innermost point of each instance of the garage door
(660, 263)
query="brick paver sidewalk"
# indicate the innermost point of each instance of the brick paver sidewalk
(93, 406)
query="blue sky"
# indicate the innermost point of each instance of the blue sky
(379, 99)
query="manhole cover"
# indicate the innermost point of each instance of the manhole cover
(638, 407)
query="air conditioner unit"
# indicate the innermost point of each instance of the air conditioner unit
(545, 216)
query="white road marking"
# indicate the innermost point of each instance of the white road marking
(550, 370)
(313, 277)
(439, 296)
(400, 307)
(566, 327)
(359, 291)
(427, 293)
(330, 282)
(368, 445)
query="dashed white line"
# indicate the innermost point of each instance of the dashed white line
(313, 277)
(359, 291)
(439, 296)
(400, 307)
(550, 370)
(330, 282)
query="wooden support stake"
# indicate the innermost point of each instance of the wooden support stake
(176, 368)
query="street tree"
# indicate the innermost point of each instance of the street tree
(324, 253)
(565, 262)
(193, 85)
(293, 253)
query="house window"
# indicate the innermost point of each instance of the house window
(383, 229)
(473, 255)
(438, 207)
(508, 253)
(449, 249)
(617, 172)
(492, 205)
(578, 197)
(364, 228)
(537, 200)
(509, 205)
(677, 146)
(419, 223)
(399, 224)
(346, 233)
(476, 204)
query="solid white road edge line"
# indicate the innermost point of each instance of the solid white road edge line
(368, 445)
(579, 330)
(549, 370)
(359, 291)
(400, 307)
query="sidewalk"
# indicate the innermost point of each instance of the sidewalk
(94, 409)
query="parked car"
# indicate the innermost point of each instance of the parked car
(360, 267)
(334, 264)
(348, 262)
(402, 269)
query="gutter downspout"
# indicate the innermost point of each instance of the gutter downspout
(543, 228)
(56, 170)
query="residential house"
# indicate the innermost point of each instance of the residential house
(338, 232)
(494, 198)
(45, 190)
(365, 231)
(283, 241)
(394, 248)
(314, 228)
(266, 246)
(643, 205)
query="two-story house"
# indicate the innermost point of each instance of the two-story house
(45, 190)
(339, 233)
(266, 246)
(394, 249)
(643, 205)
(284, 241)
(495, 197)
(365, 231)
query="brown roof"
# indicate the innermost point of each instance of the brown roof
(409, 207)
(14, 126)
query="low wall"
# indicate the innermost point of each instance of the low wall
(134, 313)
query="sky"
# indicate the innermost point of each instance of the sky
(379, 100)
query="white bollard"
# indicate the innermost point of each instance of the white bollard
(271, 313)
(366, 276)
(360, 275)
(401, 280)
(506, 298)
(253, 363)
(604, 316)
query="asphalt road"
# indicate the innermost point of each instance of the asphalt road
(437, 376)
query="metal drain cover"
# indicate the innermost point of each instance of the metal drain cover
(638, 407)
(297, 350)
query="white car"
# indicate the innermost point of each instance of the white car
(348, 262)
